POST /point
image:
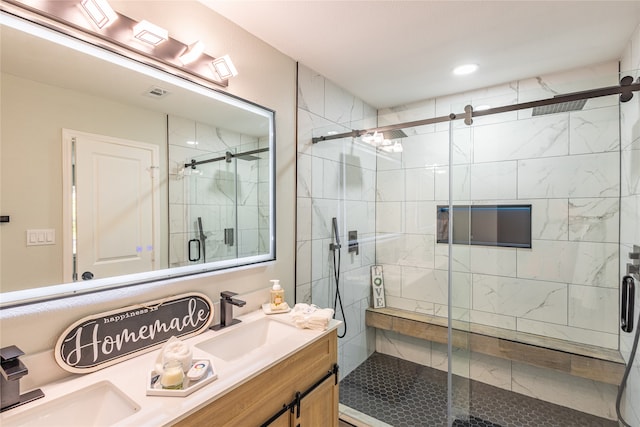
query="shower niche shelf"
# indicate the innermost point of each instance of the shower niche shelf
(486, 225)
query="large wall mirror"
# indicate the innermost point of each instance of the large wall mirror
(115, 173)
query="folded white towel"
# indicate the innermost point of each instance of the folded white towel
(174, 349)
(311, 316)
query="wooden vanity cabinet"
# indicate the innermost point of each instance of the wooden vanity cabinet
(256, 401)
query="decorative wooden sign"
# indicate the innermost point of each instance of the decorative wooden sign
(105, 339)
(377, 287)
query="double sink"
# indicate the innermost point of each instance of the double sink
(105, 404)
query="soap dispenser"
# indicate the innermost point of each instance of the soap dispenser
(277, 296)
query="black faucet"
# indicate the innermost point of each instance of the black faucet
(226, 310)
(12, 369)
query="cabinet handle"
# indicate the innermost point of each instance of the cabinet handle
(297, 403)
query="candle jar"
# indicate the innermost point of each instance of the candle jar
(172, 375)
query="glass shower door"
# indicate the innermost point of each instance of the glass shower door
(453, 220)
(534, 251)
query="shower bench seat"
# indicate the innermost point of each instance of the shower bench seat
(579, 360)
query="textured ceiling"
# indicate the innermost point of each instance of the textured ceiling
(394, 52)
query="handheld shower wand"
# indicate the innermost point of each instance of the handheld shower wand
(335, 248)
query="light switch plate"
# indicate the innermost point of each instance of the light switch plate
(39, 237)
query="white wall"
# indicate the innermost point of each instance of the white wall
(566, 165)
(630, 214)
(266, 77)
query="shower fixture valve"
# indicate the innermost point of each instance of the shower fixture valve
(353, 242)
(228, 236)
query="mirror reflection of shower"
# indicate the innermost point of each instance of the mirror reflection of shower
(218, 201)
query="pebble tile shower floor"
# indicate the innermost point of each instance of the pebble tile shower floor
(406, 394)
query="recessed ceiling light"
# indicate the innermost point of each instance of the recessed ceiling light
(465, 69)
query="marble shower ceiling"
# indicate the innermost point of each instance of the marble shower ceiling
(394, 52)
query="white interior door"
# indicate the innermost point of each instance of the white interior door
(116, 220)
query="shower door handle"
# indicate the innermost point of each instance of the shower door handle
(197, 246)
(628, 299)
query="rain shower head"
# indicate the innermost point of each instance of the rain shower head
(247, 157)
(394, 134)
(561, 107)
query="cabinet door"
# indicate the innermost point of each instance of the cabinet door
(283, 420)
(319, 408)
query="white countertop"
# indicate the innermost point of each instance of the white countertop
(132, 376)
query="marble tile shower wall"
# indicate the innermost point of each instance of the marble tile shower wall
(630, 211)
(566, 165)
(335, 179)
(211, 192)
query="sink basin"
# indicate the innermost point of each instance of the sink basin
(247, 338)
(101, 404)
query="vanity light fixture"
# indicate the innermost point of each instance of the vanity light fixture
(150, 33)
(191, 53)
(100, 12)
(224, 67)
(97, 18)
(465, 69)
